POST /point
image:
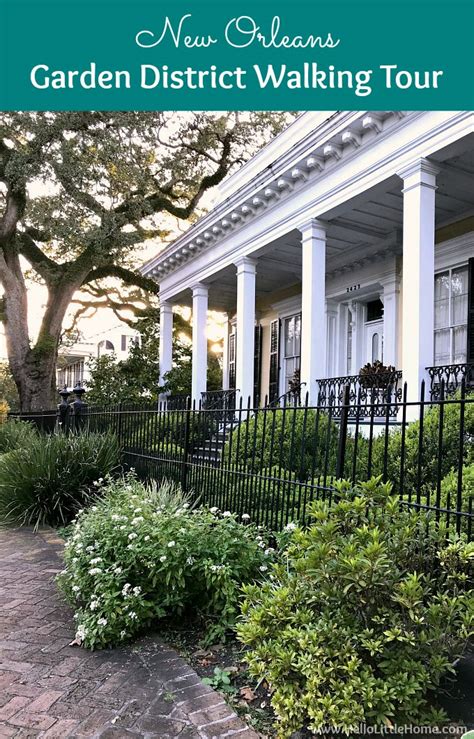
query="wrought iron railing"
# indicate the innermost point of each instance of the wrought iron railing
(176, 402)
(447, 378)
(374, 395)
(221, 401)
(291, 397)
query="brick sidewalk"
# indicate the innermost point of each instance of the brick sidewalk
(49, 689)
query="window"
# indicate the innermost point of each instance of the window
(123, 342)
(374, 310)
(450, 336)
(291, 347)
(232, 349)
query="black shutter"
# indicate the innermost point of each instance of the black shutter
(273, 389)
(231, 358)
(257, 366)
(470, 319)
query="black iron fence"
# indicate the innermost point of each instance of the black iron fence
(269, 463)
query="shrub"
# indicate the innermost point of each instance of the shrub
(430, 456)
(364, 617)
(141, 554)
(16, 435)
(294, 438)
(51, 480)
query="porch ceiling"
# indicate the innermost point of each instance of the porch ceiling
(360, 228)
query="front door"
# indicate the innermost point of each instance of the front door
(374, 341)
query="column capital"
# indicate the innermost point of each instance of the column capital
(166, 307)
(313, 228)
(199, 289)
(246, 264)
(419, 172)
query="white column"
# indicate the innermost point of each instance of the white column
(225, 356)
(332, 325)
(419, 182)
(390, 297)
(313, 306)
(199, 359)
(166, 340)
(244, 365)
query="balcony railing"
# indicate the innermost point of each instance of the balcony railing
(372, 395)
(222, 401)
(448, 378)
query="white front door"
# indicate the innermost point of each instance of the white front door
(374, 341)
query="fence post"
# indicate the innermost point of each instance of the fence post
(119, 420)
(184, 471)
(341, 449)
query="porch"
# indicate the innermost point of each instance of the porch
(316, 287)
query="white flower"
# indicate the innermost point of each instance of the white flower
(163, 558)
(226, 514)
(261, 544)
(115, 517)
(75, 588)
(132, 536)
(137, 510)
(147, 538)
(79, 546)
(74, 560)
(94, 508)
(95, 571)
(96, 560)
(102, 622)
(81, 632)
(137, 520)
(214, 509)
(290, 526)
(171, 544)
(94, 604)
(185, 505)
(122, 528)
(137, 590)
(89, 549)
(132, 615)
(130, 546)
(190, 561)
(269, 551)
(117, 570)
(216, 568)
(123, 634)
(245, 517)
(263, 568)
(126, 588)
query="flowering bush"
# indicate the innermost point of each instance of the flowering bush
(141, 554)
(365, 615)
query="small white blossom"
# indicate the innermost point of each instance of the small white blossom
(132, 615)
(132, 536)
(94, 604)
(96, 560)
(226, 514)
(263, 568)
(126, 588)
(269, 551)
(214, 509)
(163, 558)
(261, 544)
(245, 517)
(290, 526)
(122, 528)
(75, 588)
(115, 517)
(171, 544)
(94, 508)
(102, 622)
(137, 520)
(147, 538)
(123, 634)
(118, 570)
(137, 510)
(81, 632)
(190, 561)
(137, 590)
(95, 571)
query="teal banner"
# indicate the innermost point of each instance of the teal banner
(237, 55)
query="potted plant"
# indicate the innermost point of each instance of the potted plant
(377, 375)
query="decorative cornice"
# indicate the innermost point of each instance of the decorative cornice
(267, 189)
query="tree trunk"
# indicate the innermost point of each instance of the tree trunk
(34, 368)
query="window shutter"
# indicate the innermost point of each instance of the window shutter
(257, 366)
(232, 348)
(470, 317)
(274, 360)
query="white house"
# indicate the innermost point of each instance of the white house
(348, 238)
(73, 360)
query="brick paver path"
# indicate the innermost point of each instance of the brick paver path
(50, 689)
